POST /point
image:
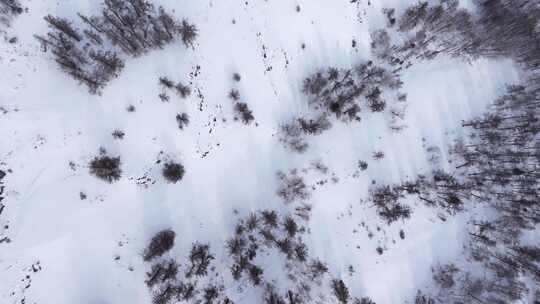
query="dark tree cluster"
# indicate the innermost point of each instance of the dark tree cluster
(341, 94)
(106, 168)
(439, 190)
(428, 30)
(340, 290)
(9, 9)
(81, 55)
(118, 134)
(179, 88)
(243, 113)
(265, 231)
(256, 237)
(386, 200)
(200, 258)
(93, 54)
(169, 284)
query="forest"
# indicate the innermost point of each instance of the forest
(173, 175)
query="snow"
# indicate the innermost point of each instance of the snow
(51, 121)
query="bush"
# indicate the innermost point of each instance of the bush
(234, 95)
(340, 92)
(290, 226)
(118, 134)
(106, 168)
(200, 258)
(166, 82)
(162, 242)
(182, 90)
(378, 155)
(188, 32)
(242, 110)
(173, 172)
(162, 272)
(270, 218)
(315, 126)
(340, 290)
(362, 165)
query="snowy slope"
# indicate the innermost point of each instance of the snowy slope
(50, 121)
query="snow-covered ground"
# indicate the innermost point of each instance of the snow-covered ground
(49, 121)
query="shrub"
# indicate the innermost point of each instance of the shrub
(339, 92)
(182, 120)
(362, 165)
(162, 272)
(234, 95)
(188, 32)
(242, 110)
(315, 126)
(106, 168)
(173, 172)
(162, 242)
(118, 134)
(301, 251)
(290, 226)
(93, 55)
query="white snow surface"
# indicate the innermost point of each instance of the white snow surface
(50, 121)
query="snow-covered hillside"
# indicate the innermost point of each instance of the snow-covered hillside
(69, 237)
